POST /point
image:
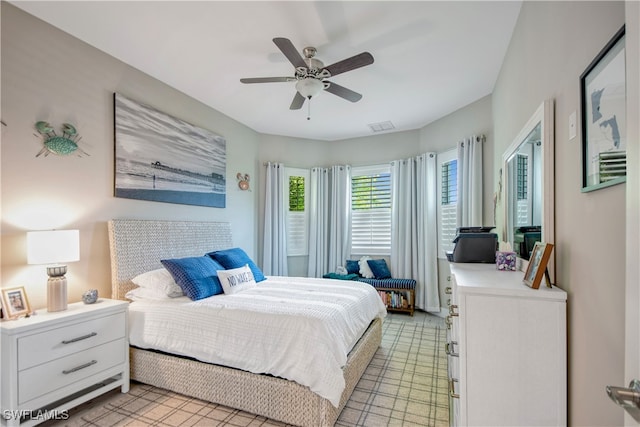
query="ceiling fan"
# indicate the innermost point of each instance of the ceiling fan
(311, 74)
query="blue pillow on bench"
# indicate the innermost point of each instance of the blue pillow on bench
(379, 268)
(353, 267)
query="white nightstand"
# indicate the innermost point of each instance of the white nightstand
(54, 361)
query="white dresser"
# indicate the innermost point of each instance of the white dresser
(507, 347)
(54, 361)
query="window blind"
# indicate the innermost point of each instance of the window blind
(371, 210)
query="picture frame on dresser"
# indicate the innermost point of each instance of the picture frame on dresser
(537, 264)
(15, 302)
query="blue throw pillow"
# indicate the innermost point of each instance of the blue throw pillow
(379, 268)
(353, 267)
(197, 276)
(236, 258)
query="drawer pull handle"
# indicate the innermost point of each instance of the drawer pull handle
(447, 290)
(452, 389)
(84, 337)
(448, 348)
(447, 321)
(452, 309)
(77, 368)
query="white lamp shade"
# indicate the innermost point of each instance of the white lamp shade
(53, 247)
(309, 87)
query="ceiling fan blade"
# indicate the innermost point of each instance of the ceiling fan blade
(290, 51)
(297, 102)
(267, 79)
(357, 61)
(343, 92)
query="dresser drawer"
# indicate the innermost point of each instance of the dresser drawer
(70, 338)
(42, 379)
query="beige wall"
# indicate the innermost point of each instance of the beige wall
(552, 44)
(632, 294)
(48, 75)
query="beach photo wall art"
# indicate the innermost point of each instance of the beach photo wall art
(164, 159)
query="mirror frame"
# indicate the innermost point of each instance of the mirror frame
(545, 116)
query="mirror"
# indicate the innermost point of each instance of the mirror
(528, 174)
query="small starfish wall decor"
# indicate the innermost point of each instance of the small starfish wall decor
(64, 144)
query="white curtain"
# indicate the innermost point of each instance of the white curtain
(470, 182)
(414, 229)
(274, 254)
(329, 219)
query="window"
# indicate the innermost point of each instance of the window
(297, 218)
(448, 205)
(522, 174)
(371, 210)
(296, 194)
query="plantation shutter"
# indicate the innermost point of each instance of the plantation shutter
(297, 212)
(371, 210)
(447, 206)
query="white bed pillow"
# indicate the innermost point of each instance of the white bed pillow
(236, 279)
(159, 281)
(365, 270)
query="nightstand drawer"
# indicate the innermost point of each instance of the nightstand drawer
(70, 338)
(62, 372)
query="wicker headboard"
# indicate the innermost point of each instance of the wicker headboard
(139, 245)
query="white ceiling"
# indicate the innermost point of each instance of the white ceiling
(431, 57)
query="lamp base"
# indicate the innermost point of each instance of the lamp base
(57, 293)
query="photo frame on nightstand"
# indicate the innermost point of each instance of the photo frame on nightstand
(15, 303)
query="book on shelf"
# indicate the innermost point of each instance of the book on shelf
(395, 299)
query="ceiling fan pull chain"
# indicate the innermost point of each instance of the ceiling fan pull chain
(309, 109)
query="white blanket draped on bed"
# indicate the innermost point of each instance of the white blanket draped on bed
(296, 328)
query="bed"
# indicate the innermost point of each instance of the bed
(137, 247)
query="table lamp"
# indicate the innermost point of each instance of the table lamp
(54, 248)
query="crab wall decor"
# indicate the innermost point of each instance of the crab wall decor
(56, 144)
(243, 181)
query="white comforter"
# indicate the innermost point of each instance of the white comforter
(296, 328)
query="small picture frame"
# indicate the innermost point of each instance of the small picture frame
(15, 303)
(537, 264)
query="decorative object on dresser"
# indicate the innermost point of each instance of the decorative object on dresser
(604, 127)
(506, 260)
(15, 302)
(507, 350)
(538, 265)
(90, 296)
(54, 361)
(53, 248)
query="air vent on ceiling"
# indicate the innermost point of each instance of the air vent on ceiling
(381, 127)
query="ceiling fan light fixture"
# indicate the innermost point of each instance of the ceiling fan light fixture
(309, 87)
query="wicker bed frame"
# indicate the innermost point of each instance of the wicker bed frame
(137, 246)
